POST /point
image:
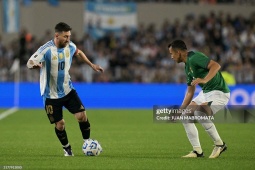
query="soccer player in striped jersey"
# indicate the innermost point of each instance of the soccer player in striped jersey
(215, 94)
(54, 59)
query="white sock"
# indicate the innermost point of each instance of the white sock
(209, 128)
(192, 134)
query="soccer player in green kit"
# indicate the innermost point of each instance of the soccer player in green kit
(214, 96)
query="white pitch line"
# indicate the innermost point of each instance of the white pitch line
(8, 112)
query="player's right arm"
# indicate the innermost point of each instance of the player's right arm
(31, 64)
(35, 60)
(188, 96)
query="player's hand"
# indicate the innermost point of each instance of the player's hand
(97, 68)
(198, 81)
(37, 66)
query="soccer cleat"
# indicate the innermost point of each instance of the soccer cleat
(217, 150)
(68, 151)
(194, 154)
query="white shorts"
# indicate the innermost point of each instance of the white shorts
(217, 98)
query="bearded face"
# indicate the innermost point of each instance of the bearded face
(62, 39)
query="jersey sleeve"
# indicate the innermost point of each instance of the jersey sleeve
(200, 60)
(37, 57)
(189, 79)
(73, 49)
(76, 51)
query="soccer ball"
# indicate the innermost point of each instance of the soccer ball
(91, 148)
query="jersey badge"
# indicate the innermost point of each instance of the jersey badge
(54, 57)
(60, 55)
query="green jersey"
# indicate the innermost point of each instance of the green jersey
(196, 67)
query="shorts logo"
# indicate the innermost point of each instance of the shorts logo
(81, 107)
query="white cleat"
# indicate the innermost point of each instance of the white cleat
(68, 151)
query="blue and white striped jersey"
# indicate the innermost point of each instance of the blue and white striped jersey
(55, 81)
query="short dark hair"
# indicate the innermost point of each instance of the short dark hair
(178, 44)
(60, 27)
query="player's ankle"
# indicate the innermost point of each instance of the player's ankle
(218, 142)
(198, 150)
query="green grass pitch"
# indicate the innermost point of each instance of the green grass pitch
(129, 138)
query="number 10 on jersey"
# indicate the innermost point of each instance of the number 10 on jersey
(61, 65)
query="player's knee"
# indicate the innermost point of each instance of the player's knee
(60, 125)
(189, 110)
(205, 109)
(81, 116)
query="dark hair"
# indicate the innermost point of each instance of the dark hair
(60, 27)
(178, 44)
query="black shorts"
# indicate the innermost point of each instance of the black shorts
(54, 107)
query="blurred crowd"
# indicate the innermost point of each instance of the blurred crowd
(142, 56)
(241, 2)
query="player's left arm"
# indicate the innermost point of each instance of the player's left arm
(213, 68)
(95, 67)
(188, 96)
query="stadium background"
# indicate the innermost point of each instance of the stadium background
(139, 74)
(137, 78)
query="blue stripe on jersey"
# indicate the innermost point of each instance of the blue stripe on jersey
(71, 85)
(44, 100)
(61, 75)
(48, 68)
